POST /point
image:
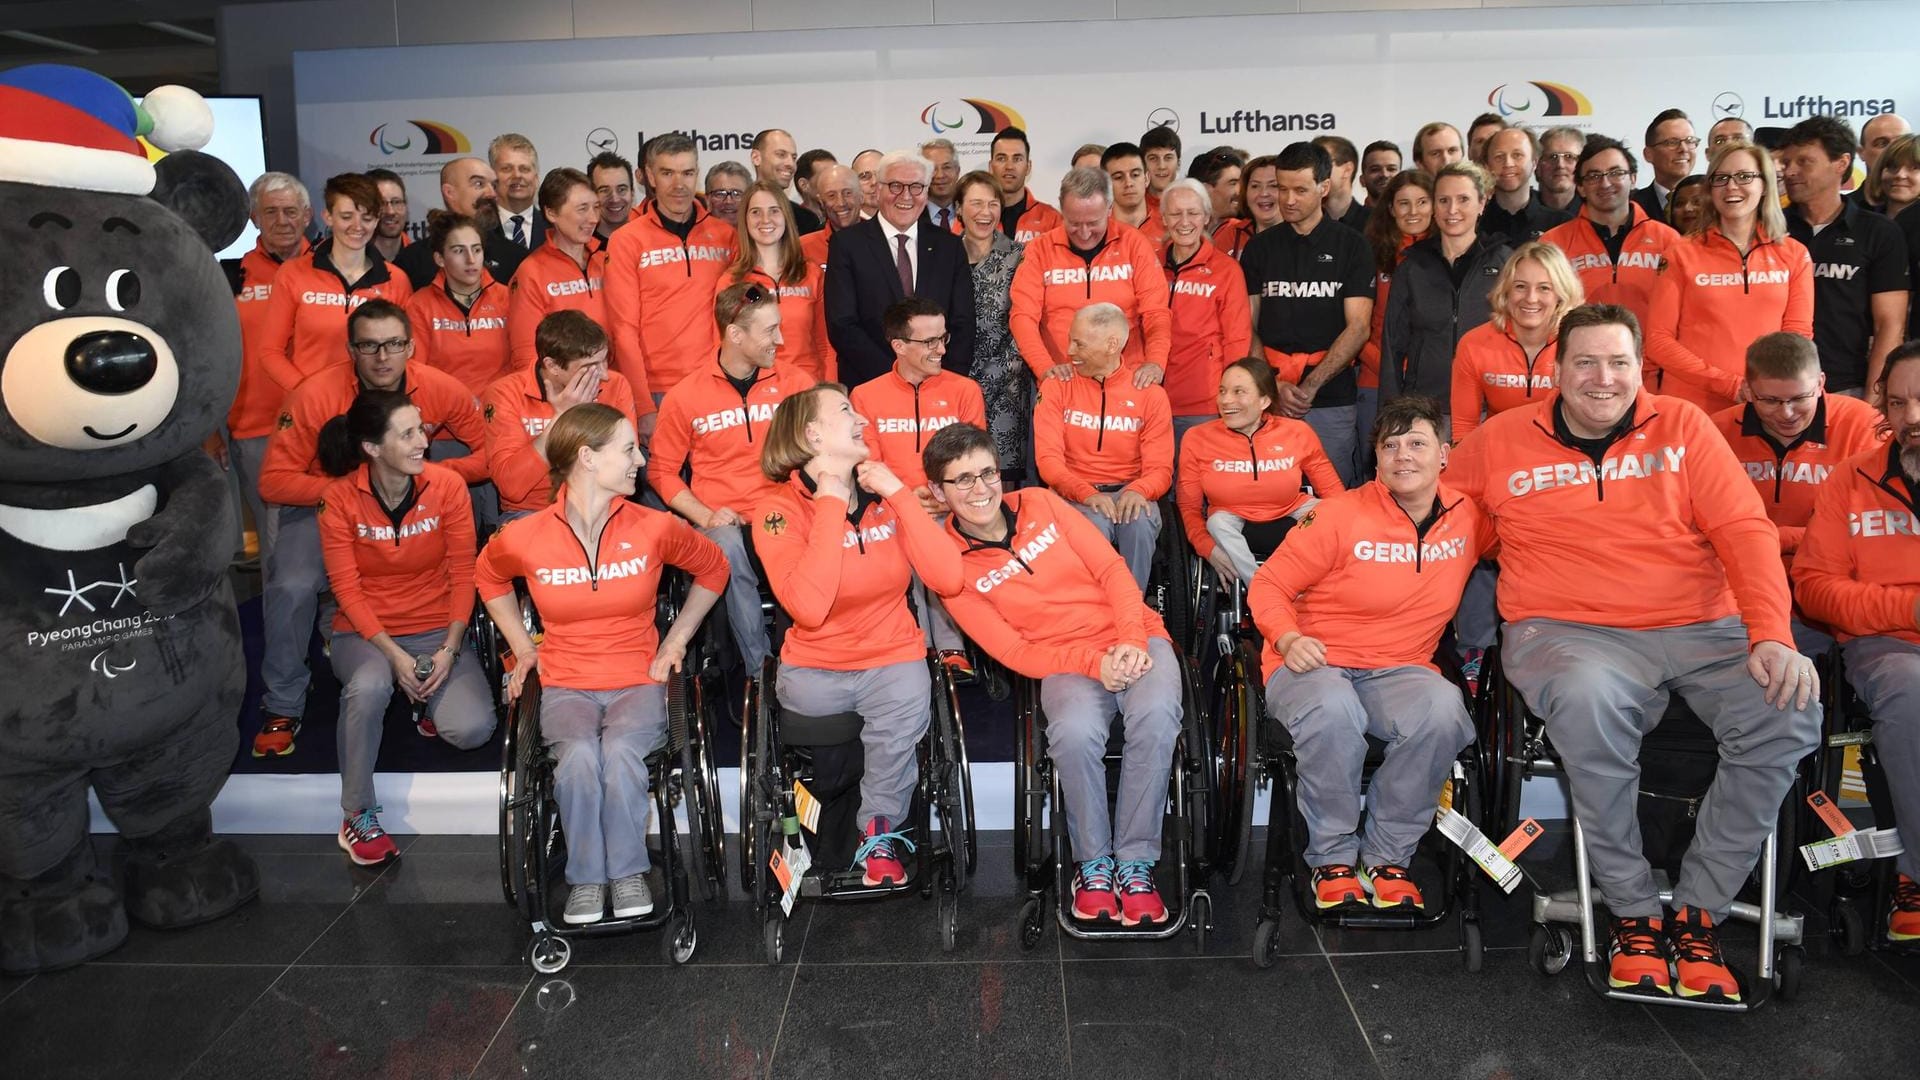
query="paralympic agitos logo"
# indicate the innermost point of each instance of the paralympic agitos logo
(1530, 99)
(970, 116)
(422, 137)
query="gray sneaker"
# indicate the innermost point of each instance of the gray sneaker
(631, 897)
(586, 904)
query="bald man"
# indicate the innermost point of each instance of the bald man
(1875, 134)
(838, 189)
(466, 187)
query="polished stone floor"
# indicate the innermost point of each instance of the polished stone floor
(416, 971)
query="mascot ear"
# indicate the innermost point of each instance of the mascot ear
(205, 192)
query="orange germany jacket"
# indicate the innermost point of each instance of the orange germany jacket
(1037, 220)
(469, 344)
(1491, 370)
(1858, 569)
(1711, 303)
(547, 281)
(596, 609)
(404, 572)
(706, 421)
(1232, 235)
(1258, 477)
(904, 416)
(1053, 283)
(1211, 328)
(1628, 281)
(660, 298)
(1092, 433)
(1665, 530)
(516, 411)
(841, 573)
(803, 320)
(1789, 478)
(305, 328)
(1358, 574)
(257, 402)
(291, 475)
(1051, 598)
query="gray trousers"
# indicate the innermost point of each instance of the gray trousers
(1079, 714)
(1810, 640)
(1885, 672)
(486, 498)
(1330, 711)
(1229, 535)
(292, 582)
(1477, 622)
(744, 618)
(896, 703)
(1134, 540)
(243, 460)
(600, 741)
(462, 709)
(1335, 426)
(936, 625)
(1600, 690)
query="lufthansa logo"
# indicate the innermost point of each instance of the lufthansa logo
(602, 141)
(1163, 117)
(1728, 104)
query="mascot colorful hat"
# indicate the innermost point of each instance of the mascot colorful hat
(69, 128)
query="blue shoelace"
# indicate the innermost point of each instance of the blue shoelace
(1136, 876)
(881, 844)
(365, 824)
(1097, 874)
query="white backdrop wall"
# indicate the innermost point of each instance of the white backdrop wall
(1256, 82)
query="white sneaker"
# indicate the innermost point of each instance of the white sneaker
(631, 897)
(586, 904)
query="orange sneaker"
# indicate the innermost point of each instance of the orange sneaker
(958, 665)
(1639, 957)
(1393, 888)
(1903, 922)
(275, 737)
(1700, 970)
(1335, 884)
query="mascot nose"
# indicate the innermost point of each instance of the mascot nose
(111, 361)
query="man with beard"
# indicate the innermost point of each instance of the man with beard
(1378, 163)
(466, 187)
(612, 179)
(390, 235)
(1559, 151)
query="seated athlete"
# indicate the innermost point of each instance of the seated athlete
(1352, 605)
(1637, 562)
(570, 368)
(1858, 571)
(1103, 443)
(1041, 591)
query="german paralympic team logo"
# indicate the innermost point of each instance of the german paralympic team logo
(421, 137)
(1526, 100)
(970, 116)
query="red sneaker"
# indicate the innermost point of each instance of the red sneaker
(1139, 897)
(423, 724)
(1394, 888)
(1335, 884)
(275, 737)
(1639, 957)
(1903, 922)
(1093, 895)
(1700, 970)
(364, 841)
(883, 867)
(958, 665)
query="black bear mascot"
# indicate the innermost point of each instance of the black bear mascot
(119, 644)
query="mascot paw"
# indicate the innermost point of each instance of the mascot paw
(40, 932)
(175, 889)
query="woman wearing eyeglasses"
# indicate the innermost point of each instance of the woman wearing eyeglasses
(770, 256)
(1736, 277)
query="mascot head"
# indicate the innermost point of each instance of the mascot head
(119, 346)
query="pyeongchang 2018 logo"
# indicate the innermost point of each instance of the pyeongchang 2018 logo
(418, 138)
(970, 116)
(1530, 100)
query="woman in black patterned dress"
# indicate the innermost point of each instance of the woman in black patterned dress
(1004, 378)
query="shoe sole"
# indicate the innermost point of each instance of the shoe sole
(1712, 993)
(573, 921)
(358, 861)
(1325, 905)
(1395, 905)
(259, 753)
(633, 912)
(1124, 921)
(1644, 986)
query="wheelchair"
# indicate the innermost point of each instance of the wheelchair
(1519, 747)
(1257, 753)
(779, 748)
(533, 848)
(1856, 895)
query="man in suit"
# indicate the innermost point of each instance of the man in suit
(517, 165)
(888, 257)
(466, 187)
(1670, 151)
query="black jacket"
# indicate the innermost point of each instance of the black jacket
(1497, 225)
(503, 258)
(1427, 314)
(862, 282)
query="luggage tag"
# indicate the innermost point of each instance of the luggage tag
(1854, 846)
(796, 860)
(807, 807)
(1478, 848)
(1829, 813)
(1521, 838)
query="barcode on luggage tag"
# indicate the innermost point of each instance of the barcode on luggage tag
(1478, 848)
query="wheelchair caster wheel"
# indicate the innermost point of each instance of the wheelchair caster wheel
(949, 918)
(1032, 923)
(773, 936)
(548, 953)
(1549, 949)
(1848, 927)
(1266, 943)
(1787, 969)
(1200, 920)
(1471, 950)
(680, 940)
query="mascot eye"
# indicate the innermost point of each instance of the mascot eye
(61, 288)
(123, 289)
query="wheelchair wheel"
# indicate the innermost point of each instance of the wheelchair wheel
(1235, 720)
(1204, 780)
(773, 934)
(1848, 926)
(1549, 948)
(1472, 951)
(520, 796)
(700, 784)
(955, 805)
(1788, 967)
(1033, 923)
(752, 718)
(548, 953)
(1030, 848)
(680, 940)
(1266, 943)
(949, 916)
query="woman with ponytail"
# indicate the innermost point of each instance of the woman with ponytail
(396, 532)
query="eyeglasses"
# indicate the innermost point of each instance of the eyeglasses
(1560, 158)
(895, 187)
(719, 194)
(1722, 179)
(1779, 402)
(969, 481)
(1687, 143)
(1594, 176)
(392, 347)
(941, 341)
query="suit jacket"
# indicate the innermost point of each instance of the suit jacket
(1649, 200)
(503, 258)
(536, 222)
(862, 282)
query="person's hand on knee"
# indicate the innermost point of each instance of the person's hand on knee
(1301, 653)
(1222, 564)
(1784, 674)
(1129, 506)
